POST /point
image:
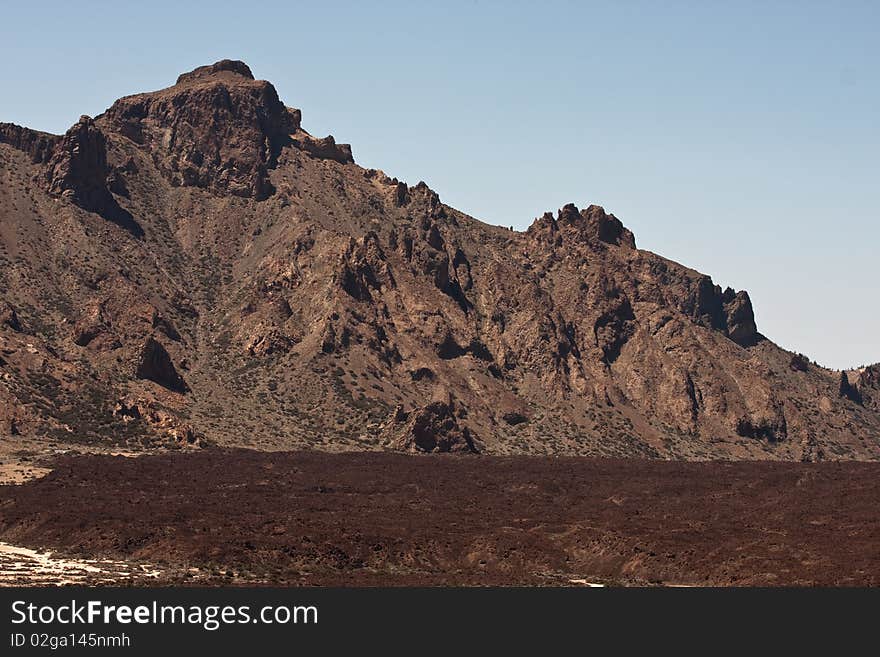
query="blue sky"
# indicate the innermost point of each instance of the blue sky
(738, 138)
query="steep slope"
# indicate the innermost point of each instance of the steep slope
(193, 266)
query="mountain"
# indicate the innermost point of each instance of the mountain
(193, 268)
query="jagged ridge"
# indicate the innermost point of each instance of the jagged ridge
(193, 253)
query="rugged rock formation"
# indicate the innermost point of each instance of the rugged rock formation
(592, 225)
(434, 428)
(78, 171)
(209, 72)
(847, 390)
(38, 145)
(166, 424)
(9, 318)
(739, 318)
(868, 386)
(324, 149)
(217, 128)
(199, 231)
(799, 363)
(155, 364)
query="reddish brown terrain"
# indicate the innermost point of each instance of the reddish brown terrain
(191, 273)
(192, 267)
(312, 518)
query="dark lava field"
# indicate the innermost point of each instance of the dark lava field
(221, 517)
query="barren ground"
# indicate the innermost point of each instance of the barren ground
(313, 518)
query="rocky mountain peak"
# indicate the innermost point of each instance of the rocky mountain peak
(219, 129)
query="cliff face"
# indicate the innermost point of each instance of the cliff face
(195, 255)
(217, 128)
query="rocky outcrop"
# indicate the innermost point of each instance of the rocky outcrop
(169, 427)
(799, 363)
(217, 128)
(739, 317)
(429, 249)
(79, 170)
(8, 317)
(154, 363)
(514, 418)
(266, 320)
(10, 415)
(592, 225)
(363, 268)
(613, 327)
(729, 311)
(847, 390)
(324, 148)
(595, 225)
(38, 145)
(234, 66)
(269, 342)
(433, 428)
(868, 386)
(772, 429)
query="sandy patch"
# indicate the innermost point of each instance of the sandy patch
(20, 566)
(18, 473)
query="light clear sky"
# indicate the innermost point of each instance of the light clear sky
(738, 138)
